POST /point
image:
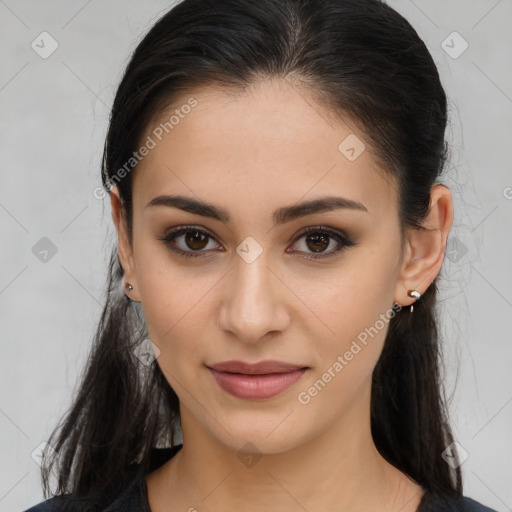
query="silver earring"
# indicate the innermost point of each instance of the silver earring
(414, 294)
(128, 287)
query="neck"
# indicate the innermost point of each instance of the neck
(339, 469)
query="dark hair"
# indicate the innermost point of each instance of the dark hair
(360, 60)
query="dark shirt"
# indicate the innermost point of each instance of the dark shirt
(131, 495)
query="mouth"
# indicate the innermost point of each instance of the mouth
(256, 381)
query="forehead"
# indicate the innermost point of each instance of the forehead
(271, 144)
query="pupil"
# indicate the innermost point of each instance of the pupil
(193, 238)
(319, 240)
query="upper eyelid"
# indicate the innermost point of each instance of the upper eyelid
(192, 227)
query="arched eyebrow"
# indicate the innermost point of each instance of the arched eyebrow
(281, 215)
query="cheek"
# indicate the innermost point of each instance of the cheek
(345, 360)
(176, 320)
(177, 306)
(354, 307)
(175, 313)
(166, 296)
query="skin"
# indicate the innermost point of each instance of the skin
(252, 153)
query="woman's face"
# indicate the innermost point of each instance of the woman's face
(255, 287)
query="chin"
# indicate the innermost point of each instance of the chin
(260, 439)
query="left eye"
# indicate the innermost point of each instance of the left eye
(318, 239)
(194, 241)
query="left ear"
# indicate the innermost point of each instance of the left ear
(425, 248)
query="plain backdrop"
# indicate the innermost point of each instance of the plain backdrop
(54, 114)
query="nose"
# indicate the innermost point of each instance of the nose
(254, 302)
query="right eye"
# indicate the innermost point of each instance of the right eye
(194, 241)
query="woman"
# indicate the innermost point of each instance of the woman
(274, 175)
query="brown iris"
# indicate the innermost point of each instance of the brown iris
(319, 242)
(196, 240)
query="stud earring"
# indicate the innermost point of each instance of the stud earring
(414, 294)
(128, 287)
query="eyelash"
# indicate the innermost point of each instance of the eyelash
(339, 237)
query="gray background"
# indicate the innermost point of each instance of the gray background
(54, 114)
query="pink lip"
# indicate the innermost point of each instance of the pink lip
(256, 381)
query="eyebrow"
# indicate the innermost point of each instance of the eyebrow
(280, 216)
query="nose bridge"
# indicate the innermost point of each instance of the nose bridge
(252, 306)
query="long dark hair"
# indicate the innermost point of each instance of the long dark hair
(360, 60)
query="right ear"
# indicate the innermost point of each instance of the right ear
(124, 246)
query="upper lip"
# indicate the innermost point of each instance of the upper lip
(260, 368)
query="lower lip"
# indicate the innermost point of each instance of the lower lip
(255, 387)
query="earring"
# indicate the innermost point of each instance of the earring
(414, 294)
(128, 287)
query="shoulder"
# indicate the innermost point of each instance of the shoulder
(60, 504)
(471, 505)
(125, 498)
(126, 495)
(445, 503)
